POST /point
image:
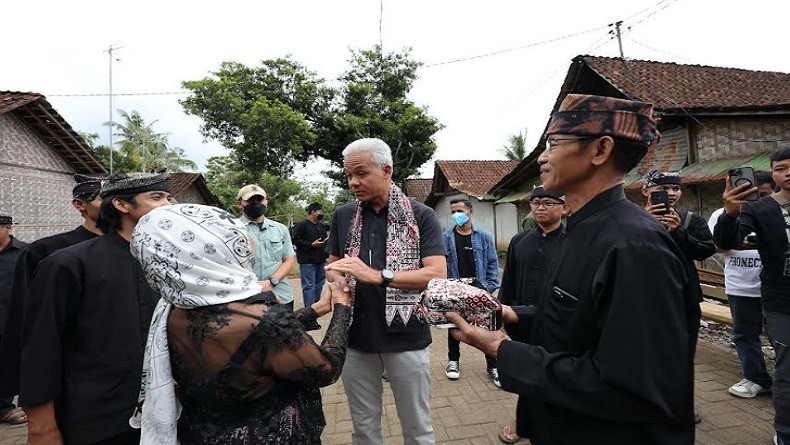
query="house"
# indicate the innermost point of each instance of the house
(712, 119)
(473, 180)
(39, 154)
(191, 188)
(418, 188)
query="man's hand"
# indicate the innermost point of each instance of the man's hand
(266, 285)
(735, 197)
(356, 268)
(482, 339)
(656, 210)
(671, 220)
(318, 243)
(509, 316)
(42, 428)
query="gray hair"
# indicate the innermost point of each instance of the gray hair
(380, 152)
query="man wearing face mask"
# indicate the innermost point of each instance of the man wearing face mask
(470, 254)
(309, 238)
(274, 253)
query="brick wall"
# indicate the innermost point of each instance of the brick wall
(719, 139)
(35, 183)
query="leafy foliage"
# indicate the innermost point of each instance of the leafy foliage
(516, 149)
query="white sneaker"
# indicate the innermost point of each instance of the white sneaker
(452, 371)
(494, 373)
(747, 389)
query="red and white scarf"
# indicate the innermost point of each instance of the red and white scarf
(403, 253)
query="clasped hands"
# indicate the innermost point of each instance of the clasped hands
(356, 268)
(482, 339)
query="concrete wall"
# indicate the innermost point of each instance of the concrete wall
(483, 216)
(507, 224)
(35, 183)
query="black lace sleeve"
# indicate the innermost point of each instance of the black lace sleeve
(308, 318)
(292, 355)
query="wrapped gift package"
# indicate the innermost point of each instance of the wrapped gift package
(475, 305)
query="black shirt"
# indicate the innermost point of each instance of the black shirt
(8, 258)
(611, 359)
(302, 235)
(465, 254)
(368, 329)
(696, 241)
(84, 349)
(764, 218)
(529, 256)
(11, 351)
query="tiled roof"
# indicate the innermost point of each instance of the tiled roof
(418, 189)
(670, 86)
(474, 178)
(39, 115)
(180, 181)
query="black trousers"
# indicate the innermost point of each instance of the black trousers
(454, 351)
(778, 327)
(129, 437)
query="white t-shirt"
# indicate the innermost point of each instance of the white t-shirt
(741, 268)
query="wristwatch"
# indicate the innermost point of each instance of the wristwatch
(274, 280)
(386, 277)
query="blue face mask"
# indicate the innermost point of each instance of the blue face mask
(460, 218)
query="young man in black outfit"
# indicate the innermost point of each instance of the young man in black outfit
(10, 250)
(769, 219)
(309, 239)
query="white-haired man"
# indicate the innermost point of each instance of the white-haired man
(385, 248)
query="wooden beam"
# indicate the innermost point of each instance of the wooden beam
(48, 128)
(71, 135)
(716, 312)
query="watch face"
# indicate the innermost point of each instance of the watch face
(274, 281)
(388, 274)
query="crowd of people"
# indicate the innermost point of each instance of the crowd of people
(160, 323)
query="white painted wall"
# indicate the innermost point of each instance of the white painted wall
(506, 224)
(483, 216)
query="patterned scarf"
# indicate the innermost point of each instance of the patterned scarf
(403, 253)
(193, 256)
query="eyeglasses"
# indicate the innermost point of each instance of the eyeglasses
(548, 204)
(552, 143)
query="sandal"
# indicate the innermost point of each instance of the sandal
(508, 435)
(14, 416)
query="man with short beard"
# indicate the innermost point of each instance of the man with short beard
(610, 358)
(83, 346)
(85, 199)
(274, 254)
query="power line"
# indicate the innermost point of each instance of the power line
(165, 93)
(660, 51)
(507, 50)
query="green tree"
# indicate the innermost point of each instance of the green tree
(141, 146)
(516, 149)
(267, 114)
(373, 102)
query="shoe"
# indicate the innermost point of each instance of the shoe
(452, 371)
(697, 418)
(494, 373)
(747, 389)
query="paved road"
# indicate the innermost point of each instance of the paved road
(472, 410)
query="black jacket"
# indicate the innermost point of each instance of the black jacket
(694, 239)
(302, 235)
(610, 359)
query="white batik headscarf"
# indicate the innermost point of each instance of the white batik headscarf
(193, 256)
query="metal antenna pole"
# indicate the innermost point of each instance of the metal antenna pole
(109, 52)
(619, 39)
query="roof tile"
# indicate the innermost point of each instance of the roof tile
(475, 178)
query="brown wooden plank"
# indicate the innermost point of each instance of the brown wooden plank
(716, 312)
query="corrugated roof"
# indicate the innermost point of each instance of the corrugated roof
(670, 154)
(418, 188)
(671, 86)
(712, 171)
(475, 178)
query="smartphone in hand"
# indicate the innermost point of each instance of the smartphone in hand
(743, 175)
(660, 197)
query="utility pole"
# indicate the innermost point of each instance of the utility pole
(109, 52)
(619, 39)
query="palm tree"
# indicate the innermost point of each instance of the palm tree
(516, 149)
(145, 147)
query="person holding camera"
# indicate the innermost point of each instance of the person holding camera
(742, 267)
(769, 219)
(309, 239)
(690, 231)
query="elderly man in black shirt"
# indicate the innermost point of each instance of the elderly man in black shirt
(385, 247)
(769, 219)
(610, 354)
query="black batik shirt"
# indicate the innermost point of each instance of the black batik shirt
(84, 348)
(368, 328)
(611, 353)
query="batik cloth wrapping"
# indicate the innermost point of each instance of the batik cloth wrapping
(475, 305)
(193, 256)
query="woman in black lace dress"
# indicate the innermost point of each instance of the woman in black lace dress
(241, 366)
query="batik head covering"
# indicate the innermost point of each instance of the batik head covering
(193, 256)
(120, 183)
(87, 187)
(593, 116)
(655, 177)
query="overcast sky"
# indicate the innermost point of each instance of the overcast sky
(56, 47)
